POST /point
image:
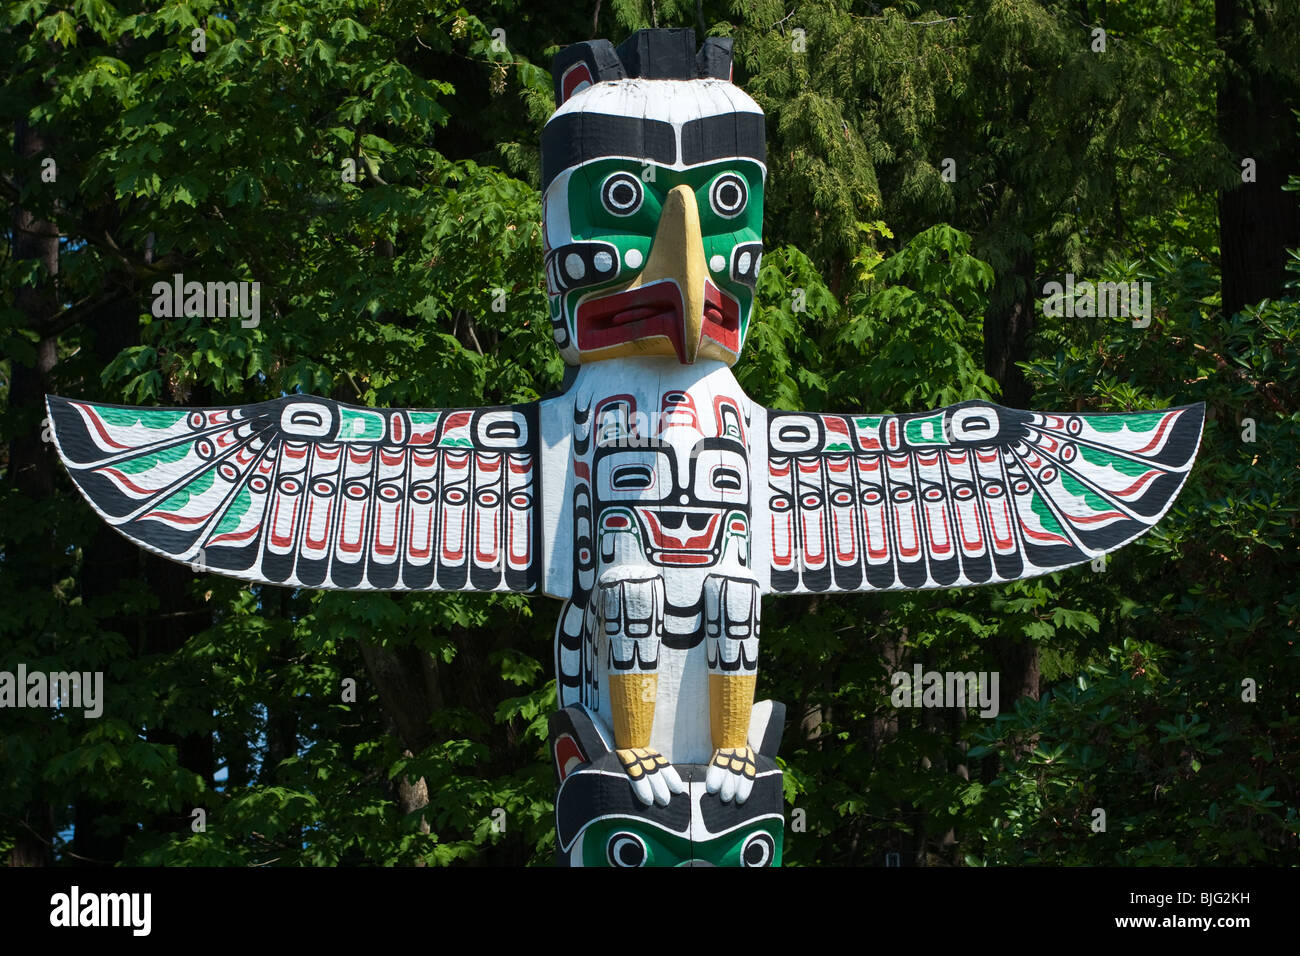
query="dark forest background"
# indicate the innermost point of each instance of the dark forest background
(932, 167)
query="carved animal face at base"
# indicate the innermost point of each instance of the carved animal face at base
(696, 829)
(598, 821)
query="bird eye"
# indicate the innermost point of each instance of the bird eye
(728, 195)
(758, 850)
(626, 849)
(621, 194)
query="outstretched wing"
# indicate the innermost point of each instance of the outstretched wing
(307, 492)
(970, 494)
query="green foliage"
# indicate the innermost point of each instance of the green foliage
(916, 323)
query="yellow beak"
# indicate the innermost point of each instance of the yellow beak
(677, 254)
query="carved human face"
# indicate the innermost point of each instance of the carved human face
(672, 487)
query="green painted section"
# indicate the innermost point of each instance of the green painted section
(241, 504)
(664, 848)
(163, 418)
(136, 466)
(1140, 422)
(195, 488)
(360, 425)
(1039, 507)
(1105, 459)
(1080, 490)
(925, 431)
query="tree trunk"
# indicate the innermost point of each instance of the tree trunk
(408, 693)
(1006, 333)
(1007, 324)
(30, 462)
(1257, 220)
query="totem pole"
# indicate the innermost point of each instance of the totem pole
(652, 496)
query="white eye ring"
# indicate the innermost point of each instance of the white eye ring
(621, 194)
(758, 850)
(626, 850)
(728, 195)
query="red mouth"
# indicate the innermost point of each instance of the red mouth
(656, 310)
(721, 318)
(684, 557)
(682, 531)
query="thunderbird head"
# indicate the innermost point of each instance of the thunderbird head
(652, 173)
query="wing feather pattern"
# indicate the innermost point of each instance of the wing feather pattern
(970, 494)
(308, 492)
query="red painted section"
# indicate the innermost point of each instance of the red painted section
(656, 310)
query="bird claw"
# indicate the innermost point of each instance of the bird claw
(731, 774)
(653, 778)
